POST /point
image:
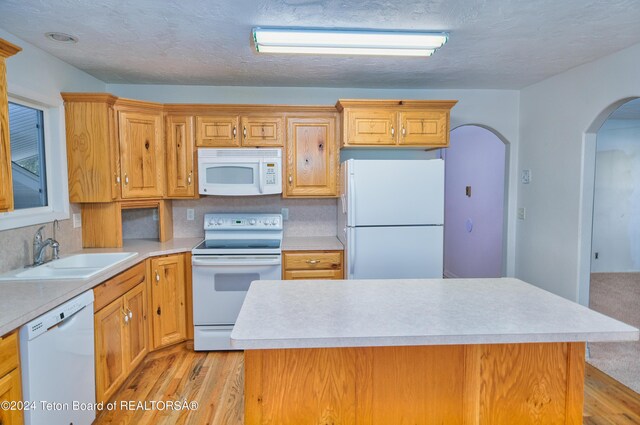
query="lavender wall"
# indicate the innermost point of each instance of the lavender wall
(476, 158)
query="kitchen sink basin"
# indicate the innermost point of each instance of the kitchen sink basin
(79, 266)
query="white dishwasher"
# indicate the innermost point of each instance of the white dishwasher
(58, 367)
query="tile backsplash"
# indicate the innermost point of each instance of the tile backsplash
(16, 245)
(307, 217)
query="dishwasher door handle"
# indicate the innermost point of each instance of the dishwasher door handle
(67, 321)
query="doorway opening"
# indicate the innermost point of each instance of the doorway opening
(475, 198)
(614, 287)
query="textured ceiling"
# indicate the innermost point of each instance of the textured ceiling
(493, 44)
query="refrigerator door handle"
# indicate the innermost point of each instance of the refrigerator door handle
(351, 216)
(352, 251)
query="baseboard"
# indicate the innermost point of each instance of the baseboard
(448, 275)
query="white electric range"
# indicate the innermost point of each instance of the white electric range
(237, 249)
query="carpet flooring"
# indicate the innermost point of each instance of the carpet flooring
(617, 295)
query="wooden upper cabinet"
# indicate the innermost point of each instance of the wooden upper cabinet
(263, 130)
(181, 172)
(424, 127)
(141, 154)
(168, 300)
(370, 127)
(405, 123)
(6, 183)
(218, 131)
(92, 150)
(312, 157)
(114, 148)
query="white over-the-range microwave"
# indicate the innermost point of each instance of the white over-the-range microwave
(239, 172)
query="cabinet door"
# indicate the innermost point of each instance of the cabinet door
(135, 305)
(111, 368)
(141, 154)
(312, 157)
(10, 391)
(370, 127)
(217, 131)
(262, 130)
(424, 128)
(180, 157)
(6, 185)
(168, 300)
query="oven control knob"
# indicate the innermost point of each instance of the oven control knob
(252, 221)
(220, 221)
(274, 221)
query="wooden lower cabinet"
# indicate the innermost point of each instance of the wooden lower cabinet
(168, 300)
(314, 265)
(10, 386)
(120, 340)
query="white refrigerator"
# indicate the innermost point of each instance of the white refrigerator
(390, 218)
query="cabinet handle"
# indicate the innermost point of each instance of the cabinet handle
(130, 313)
(404, 131)
(393, 131)
(126, 316)
(118, 179)
(290, 179)
(313, 261)
(158, 312)
(235, 131)
(189, 177)
(157, 276)
(126, 178)
(244, 131)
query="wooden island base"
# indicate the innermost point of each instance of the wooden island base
(531, 383)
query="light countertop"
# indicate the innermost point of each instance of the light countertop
(360, 313)
(311, 243)
(23, 301)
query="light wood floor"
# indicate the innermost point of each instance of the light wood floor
(215, 381)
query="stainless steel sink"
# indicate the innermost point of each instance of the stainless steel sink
(79, 266)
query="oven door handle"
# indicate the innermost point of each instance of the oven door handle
(240, 261)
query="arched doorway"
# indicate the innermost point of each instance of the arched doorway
(475, 199)
(614, 287)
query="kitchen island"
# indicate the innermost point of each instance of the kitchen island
(455, 351)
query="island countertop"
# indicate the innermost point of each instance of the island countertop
(369, 313)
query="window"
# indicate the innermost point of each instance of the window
(38, 159)
(28, 165)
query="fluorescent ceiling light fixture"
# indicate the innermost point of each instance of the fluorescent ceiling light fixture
(347, 42)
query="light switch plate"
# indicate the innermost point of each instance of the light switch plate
(525, 177)
(285, 213)
(191, 214)
(522, 213)
(77, 220)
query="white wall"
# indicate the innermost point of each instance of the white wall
(496, 109)
(476, 158)
(558, 119)
(616, 206)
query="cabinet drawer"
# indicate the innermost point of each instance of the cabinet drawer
(313, 274)
(313, 260)
(117, 286)
(8, 353)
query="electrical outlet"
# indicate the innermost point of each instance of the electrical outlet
(285, 213)
(522, 213)
(525, 177)
(191, 214)
(77, 220)
(155, 215)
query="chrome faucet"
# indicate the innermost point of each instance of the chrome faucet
(39, 247)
